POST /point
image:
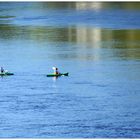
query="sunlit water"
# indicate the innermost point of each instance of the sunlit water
(98, 47)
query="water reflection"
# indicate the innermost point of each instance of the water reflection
(79, 34)
(107, 5)
(87, 5)
(37, 33)
(83, 36)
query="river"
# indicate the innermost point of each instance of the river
(97, 43)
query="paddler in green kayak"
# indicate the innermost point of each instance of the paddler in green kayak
(55, 70)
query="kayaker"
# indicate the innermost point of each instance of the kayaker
(2, 70)
(56, 70)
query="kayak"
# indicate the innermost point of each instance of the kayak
(6, 73)
(55, 75)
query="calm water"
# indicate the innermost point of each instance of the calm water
(97, 43)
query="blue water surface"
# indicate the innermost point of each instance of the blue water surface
(100, 48)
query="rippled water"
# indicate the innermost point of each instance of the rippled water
(98, 46)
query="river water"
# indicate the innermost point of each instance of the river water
(97, 43)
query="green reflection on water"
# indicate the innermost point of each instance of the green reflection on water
(88, 5)
(92, 37)
(128, 40)
(71, 34)
(3, 17)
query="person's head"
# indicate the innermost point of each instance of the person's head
(56, 68)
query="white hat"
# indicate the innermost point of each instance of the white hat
(53, 68)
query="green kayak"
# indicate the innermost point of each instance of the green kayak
(6, 74)
(55, 75)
